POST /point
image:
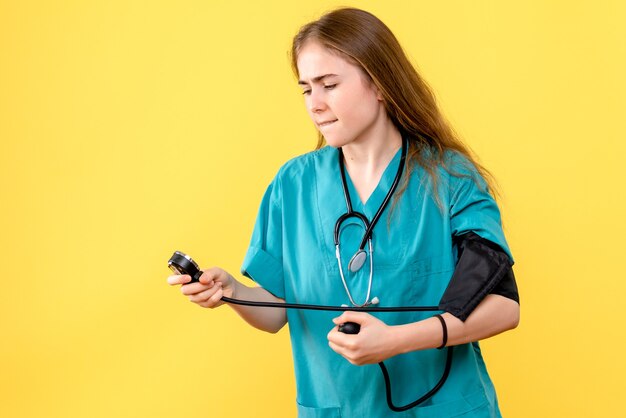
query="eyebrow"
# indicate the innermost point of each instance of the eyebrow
(316, 79)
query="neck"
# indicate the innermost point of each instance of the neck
(373, 153)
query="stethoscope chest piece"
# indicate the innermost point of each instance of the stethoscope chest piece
(360, 257)
(357, 261)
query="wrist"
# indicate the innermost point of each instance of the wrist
(422, 335)
(232, 290)
(398, 340)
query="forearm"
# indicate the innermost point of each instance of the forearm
(265, 319)
(494, 315)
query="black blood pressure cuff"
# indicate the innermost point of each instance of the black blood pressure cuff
(482, 268)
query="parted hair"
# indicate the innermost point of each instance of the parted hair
(364, 40)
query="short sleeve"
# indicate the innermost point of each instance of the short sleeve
(263, 261)
(473, 209)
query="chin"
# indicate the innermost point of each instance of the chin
(336, 142)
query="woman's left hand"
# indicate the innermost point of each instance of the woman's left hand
(373, 344)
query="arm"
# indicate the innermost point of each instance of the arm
(266, 319)
(216, 282)
(377, 341)
(494, 315)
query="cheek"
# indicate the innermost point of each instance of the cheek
(363, 108)
(349, 106)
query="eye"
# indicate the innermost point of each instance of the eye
(330, 86)
(305, 92)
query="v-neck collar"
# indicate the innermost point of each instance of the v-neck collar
(375, 199)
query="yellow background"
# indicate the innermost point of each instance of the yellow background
(130, 129)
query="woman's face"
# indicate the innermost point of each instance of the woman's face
(343, 104)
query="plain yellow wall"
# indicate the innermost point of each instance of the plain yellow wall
(130, 129)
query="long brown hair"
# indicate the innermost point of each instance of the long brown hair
(364, 40)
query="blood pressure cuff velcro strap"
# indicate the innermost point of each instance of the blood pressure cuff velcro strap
(482, 268)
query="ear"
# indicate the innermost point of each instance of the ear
(379, 94)
(370, 82)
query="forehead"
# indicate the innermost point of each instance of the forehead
(315, 60)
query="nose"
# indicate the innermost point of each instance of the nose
(316, 101)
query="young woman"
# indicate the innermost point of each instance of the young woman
(436, 239)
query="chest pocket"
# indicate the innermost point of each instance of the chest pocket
(309, 412)
(413, 283)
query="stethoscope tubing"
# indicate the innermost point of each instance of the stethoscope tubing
(370, 308)
(442, 380)
(329, 307)
(367, 307)
(356, 262)
(369, 225)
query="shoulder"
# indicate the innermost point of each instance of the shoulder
(458, 165)
(460, 171)
(449, 172)
(446, 164)
(298, 176)
(299, 172)
(305, 165)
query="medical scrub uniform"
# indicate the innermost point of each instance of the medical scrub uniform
(292, 255)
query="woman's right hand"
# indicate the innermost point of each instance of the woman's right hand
(214, 283)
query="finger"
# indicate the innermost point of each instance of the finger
(194, 288)
(202, 296)
(215, 300)
(218, 294)
(210, 275)
(338, 348)
(334, 347)
(342, 352)
(178, 279)
(340, 339)
(351, 316)
(331, 334)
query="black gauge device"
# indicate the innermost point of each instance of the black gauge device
(181, 263)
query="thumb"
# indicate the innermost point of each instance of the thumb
(351, 316)
(209, 275)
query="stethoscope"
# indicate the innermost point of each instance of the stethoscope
(180, 263)
(358, 259)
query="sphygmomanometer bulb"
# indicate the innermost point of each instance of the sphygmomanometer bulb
(349, 328)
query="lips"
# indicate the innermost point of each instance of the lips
(326, 123)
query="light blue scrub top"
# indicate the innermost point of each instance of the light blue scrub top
(292, 255)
